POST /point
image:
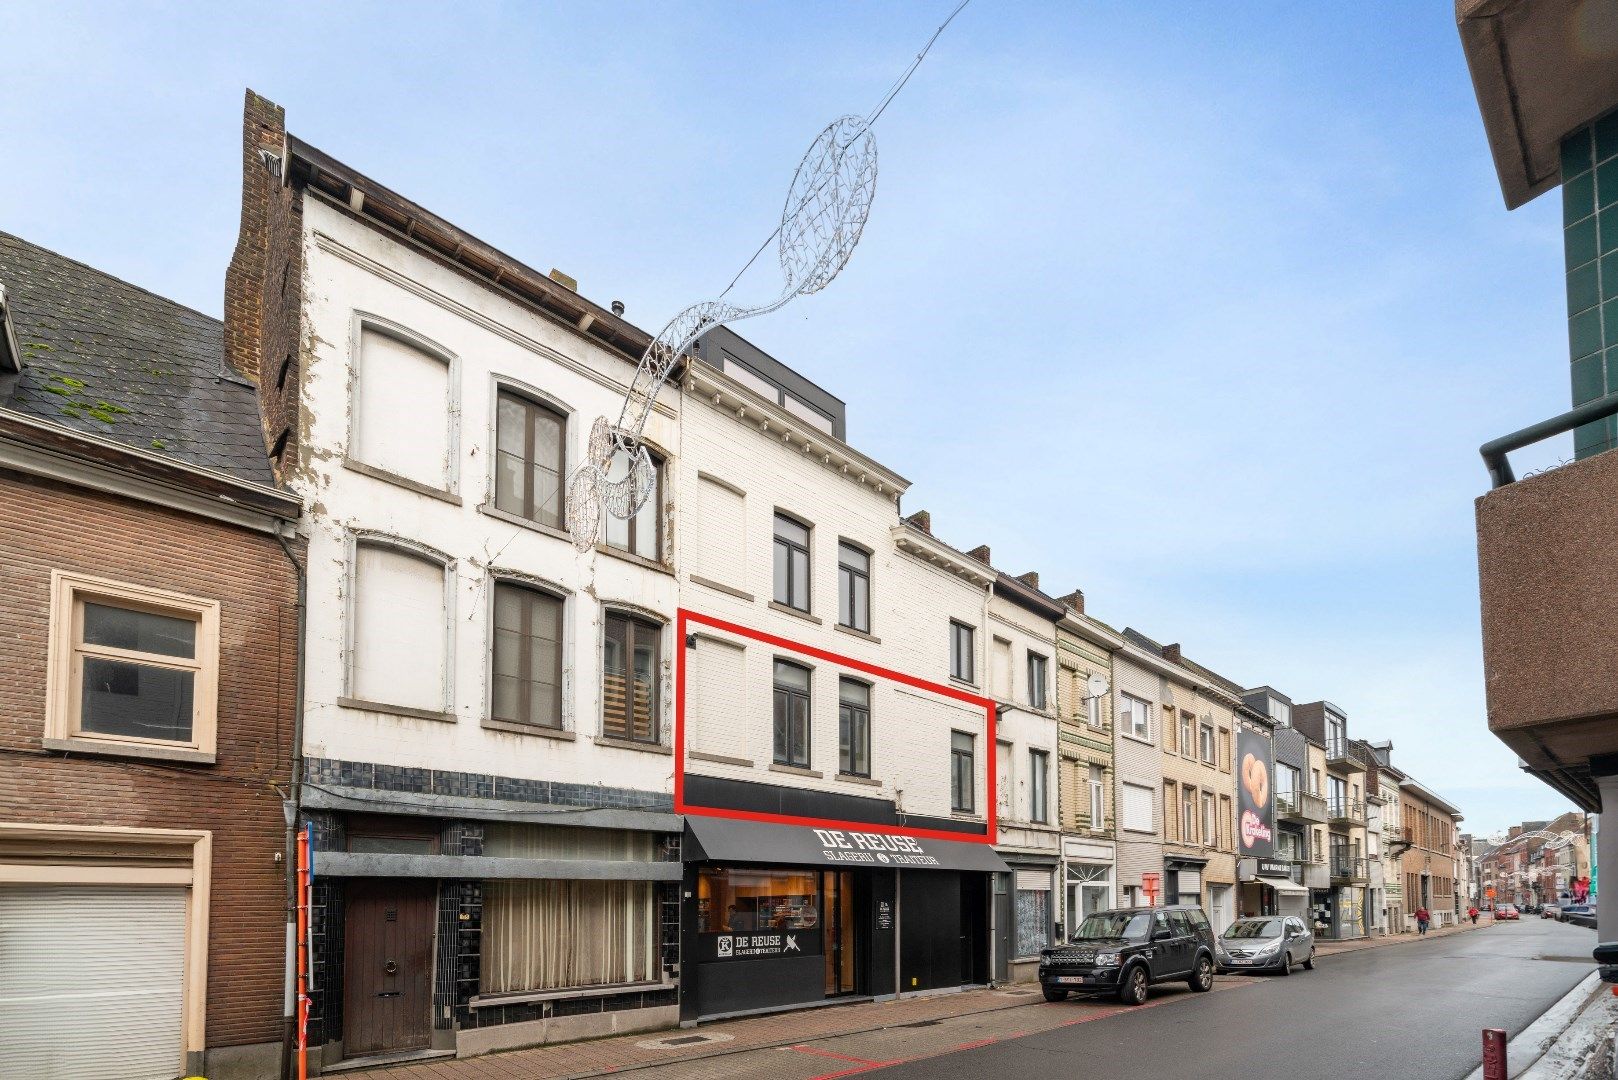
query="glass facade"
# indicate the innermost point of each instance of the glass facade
(1590, 239)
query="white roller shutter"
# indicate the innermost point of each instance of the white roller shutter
(91, 982)
(1190, 881)
(1033, 881)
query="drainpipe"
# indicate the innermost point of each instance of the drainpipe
(292, 808)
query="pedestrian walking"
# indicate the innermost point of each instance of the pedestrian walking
(1472, 913)
(1423, 917)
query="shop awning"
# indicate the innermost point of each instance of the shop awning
(1285, 885)
(711, 839)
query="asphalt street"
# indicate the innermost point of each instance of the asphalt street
(1413, 1011)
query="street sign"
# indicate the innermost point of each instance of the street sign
(1150, 883)
(1489, 892)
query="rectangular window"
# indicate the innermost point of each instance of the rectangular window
(791, 563)
(132, 665)
(1337, 796)
(1281, 712)
(1210, 824)
(1171, 813)
(629, 672)
(1098, 798)
(1135, 716)
(791, 714)
(853, 587)
(1205, 741)
(529, 467)
(398, 639)
(404, 409)
(1224, 749)
(962, 652)
(1286, 785)
(1092, 712)
(1187, 747)
(639, 534)
(1227, 823)
(1037, 668)
(1135, 815)
(1039, 764)
(527, 656)
(1188, 814)
(853, 727)
(962, 772)
(555, 935)
(1000, 668)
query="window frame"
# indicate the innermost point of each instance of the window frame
(956, 655)
(1209, 807)
(1207, 743)
(1039, 775)
(64, 667)
(1150, 798)
(633, 619)
(1187, 727)
(360, 322)
(844, 756)
(1098, 795)
(563, 599)
(533, 400)
(415, 550)
(963, 795)
(1040, 701)
(805, 550)
(792, 693)
(1188, 814)
(659, 496)
(1145, 734)
(846, 592)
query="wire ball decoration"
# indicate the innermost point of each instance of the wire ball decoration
(826, 208)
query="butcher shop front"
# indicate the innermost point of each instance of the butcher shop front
(785, 916)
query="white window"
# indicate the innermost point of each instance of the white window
(1281, 712)
(1136, 813)
(1210, 824)
(1206, 743)
(1000, 668)
(131, 668)
(1092, 712)
(399, 630)
(639, 534)
(1135, 715)
(1098, 798)
(404, 408)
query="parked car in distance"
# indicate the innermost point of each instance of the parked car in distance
(1267, 943)
(1126, 950)
(1580, 915)
(1551, 911)
(1506, 911)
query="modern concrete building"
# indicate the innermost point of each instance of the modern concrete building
(1546, 77)
(1341, 906)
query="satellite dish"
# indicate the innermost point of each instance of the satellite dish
(1097, 686)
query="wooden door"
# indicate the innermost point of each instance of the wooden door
(388, 965)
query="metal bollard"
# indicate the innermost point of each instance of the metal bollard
(1494, 1054)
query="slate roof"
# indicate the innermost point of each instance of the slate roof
(103, 356)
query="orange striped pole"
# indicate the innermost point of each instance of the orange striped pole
(304, 898)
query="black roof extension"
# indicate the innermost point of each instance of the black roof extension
(100, 355)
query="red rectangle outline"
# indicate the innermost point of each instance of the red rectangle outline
(685, 616)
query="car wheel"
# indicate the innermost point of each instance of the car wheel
(1286, 963)
(1202, 978)
(1309, 964)
(1053, 993)
(1133, 992)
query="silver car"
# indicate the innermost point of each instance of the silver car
(1267, 943)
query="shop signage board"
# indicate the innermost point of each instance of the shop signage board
(758, 945)
(1274, 868)
(1255, 768)
(718, 839)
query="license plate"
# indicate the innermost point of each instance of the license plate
(1068, 980)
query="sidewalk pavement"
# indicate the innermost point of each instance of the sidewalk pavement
(1335, 948)
(573, 1061)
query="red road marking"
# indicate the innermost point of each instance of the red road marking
(840, 1057)
(975, 1045)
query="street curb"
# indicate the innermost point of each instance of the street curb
(1387, 942)
(1533, 1041)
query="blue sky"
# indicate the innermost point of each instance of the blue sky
(1202, 308)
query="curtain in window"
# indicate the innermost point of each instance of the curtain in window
(552, 935)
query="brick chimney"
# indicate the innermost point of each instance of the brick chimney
(1514, 832)
(1074, 600)
(264, 281)
(981, 554)
(1030, 579)
(1171, 653)
(922, 520)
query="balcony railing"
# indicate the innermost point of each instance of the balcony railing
(1345, 812)
(1342, 756)
(1300, 806)
(1347, 869)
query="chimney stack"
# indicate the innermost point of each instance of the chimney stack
(1030, 579)
(1171, 653)
(922, 520)
(981, 554)
(1075, 600)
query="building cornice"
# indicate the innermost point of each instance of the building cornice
(929, 549)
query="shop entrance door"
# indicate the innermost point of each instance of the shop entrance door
(837, 905)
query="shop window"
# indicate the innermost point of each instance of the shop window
(853, 587)
(791, 563)
(556, 935)
(732, 900)
(640, 533)
(853, 728)
(527, 657)
(629, 666)
(529, 461)
(1032, 912)
(962, 773)
(132, 666)
(791, 714)
(962, 652)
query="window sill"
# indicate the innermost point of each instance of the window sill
(851, 778)
(1145, 740)
(637, 560)
(794, 770)
(967, 683)
(784, 609)
(524, 523)
(113, 748)
(697, 579)
(719, 759)
(441, 494)
(395, 710)
(490, 1001)
(491, 724)
(966, 815)
(861, 634)
(631, 744)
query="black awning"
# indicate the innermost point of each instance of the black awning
(713, 839)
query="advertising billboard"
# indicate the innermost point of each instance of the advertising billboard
(1255, 816)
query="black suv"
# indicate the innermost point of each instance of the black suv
(1126, 950)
